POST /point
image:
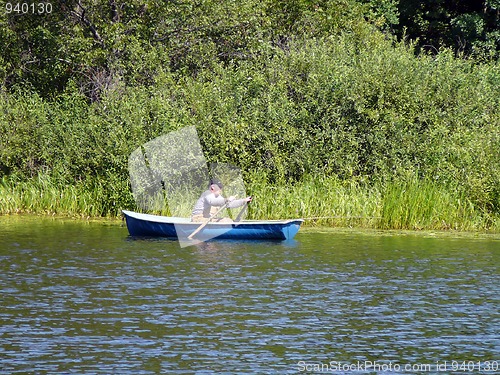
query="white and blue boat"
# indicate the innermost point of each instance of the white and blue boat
(146, 225)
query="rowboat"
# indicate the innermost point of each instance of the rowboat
(147, 225)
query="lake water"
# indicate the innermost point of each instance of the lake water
(85, 298)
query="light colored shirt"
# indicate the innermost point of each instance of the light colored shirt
(208, 200)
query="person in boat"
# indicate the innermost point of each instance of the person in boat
(211, 199)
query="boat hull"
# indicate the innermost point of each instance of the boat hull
(145, 225)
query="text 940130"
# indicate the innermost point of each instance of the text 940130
(20, 8)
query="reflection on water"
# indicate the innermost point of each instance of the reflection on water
(86, 298)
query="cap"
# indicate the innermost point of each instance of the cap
(216, 182)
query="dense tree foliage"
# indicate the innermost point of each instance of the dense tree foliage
(99, 44)
(96, 44)
(471, 28)
(284, 89)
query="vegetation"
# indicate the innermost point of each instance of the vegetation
(413, 204)
(328, 114)
(471, 28)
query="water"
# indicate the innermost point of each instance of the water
(85, 298)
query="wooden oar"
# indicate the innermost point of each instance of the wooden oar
(238, 218)
(190, 237)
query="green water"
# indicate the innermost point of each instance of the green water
(85, 298)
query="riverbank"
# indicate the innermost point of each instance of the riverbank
(375, 138)
(414, 205)
(8, 221)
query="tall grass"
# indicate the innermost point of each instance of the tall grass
(322, 201)
(413, 204)
(44, 195)
(418, 204)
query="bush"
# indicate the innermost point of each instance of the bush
(356, 110)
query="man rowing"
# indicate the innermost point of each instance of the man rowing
(213, 198)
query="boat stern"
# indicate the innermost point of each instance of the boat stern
(292, 229)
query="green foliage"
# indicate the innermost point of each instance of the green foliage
(313, 102)
(384, 12)
(469, 28)
(100, 45)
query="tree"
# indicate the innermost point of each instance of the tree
(103, 45)
(470, 28)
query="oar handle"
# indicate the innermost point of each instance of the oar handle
(206, 222)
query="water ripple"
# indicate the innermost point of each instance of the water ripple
(81, 301)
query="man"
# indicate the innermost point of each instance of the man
(213, 198)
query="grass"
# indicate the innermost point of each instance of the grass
(422, 204)
(411, 205)
(320, 201)
(43, 195)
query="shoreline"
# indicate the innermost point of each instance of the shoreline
(358, 230)
(413, 204)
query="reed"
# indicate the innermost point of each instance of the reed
(418, 204)
(414, 204)
(323, 201)
(45, 195)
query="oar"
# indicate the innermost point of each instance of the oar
(238, 218)
(190, 237)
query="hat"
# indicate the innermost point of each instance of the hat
(216, 182)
